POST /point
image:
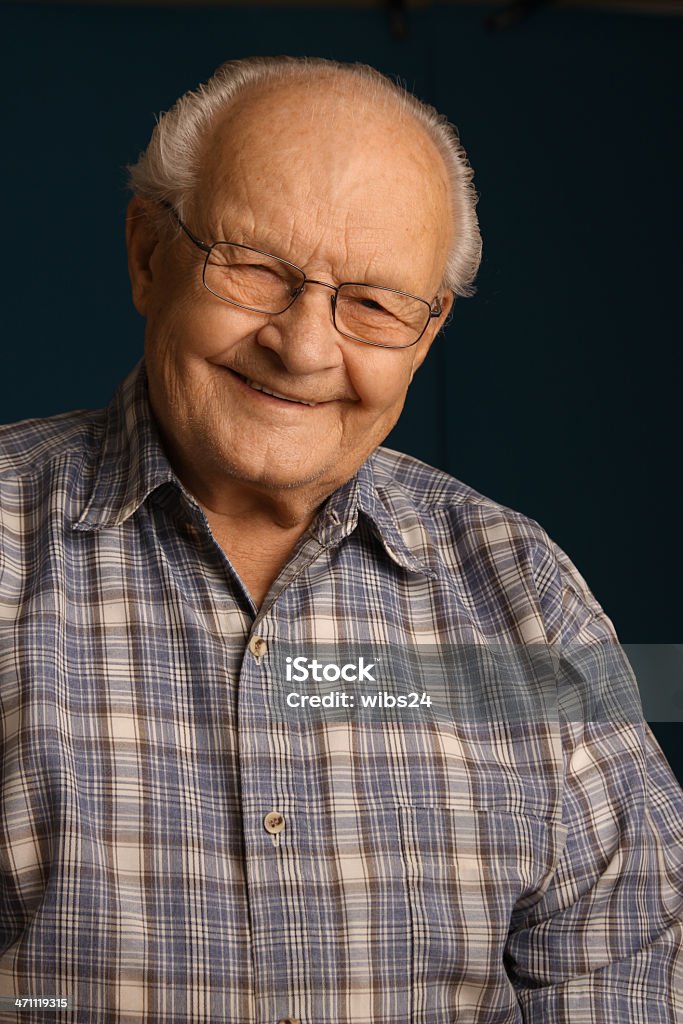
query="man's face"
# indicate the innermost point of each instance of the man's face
(346, 198)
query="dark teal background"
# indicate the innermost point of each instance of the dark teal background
(556, 390)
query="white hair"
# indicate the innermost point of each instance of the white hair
(167, 172)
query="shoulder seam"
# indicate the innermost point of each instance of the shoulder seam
(447, 495)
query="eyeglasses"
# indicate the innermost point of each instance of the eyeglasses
(252, 279)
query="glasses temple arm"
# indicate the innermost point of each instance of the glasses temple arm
(204, 246)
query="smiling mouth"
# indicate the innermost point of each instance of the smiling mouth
(255, 386)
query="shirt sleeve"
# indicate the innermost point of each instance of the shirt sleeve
(604, 944)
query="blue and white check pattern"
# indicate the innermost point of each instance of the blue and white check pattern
(484, 873)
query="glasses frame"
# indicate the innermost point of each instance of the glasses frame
(434, 308)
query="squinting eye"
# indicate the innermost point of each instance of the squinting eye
(258, 266)
(249, 268)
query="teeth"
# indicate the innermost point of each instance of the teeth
(276, 394)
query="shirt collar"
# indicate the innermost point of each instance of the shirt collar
(133, 464)
(132, 461)
(391, 517)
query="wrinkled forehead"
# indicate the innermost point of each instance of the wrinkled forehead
(328, 162)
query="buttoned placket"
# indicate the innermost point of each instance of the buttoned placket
(272, 803)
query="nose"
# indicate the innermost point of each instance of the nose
(304, 336)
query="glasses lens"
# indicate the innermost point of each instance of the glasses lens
(380, 316)
(250, 278)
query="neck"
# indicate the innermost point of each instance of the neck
(257, 533)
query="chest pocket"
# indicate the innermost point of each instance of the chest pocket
(467, 874)
(409, 909)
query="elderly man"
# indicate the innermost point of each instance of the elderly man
(189, 833)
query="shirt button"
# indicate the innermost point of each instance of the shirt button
(258, 646)
(273, 822)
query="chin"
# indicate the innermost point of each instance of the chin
(275, 480)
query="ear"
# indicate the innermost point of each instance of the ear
(425, 343)
(142, 238)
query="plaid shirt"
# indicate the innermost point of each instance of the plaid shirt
(174, 848)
